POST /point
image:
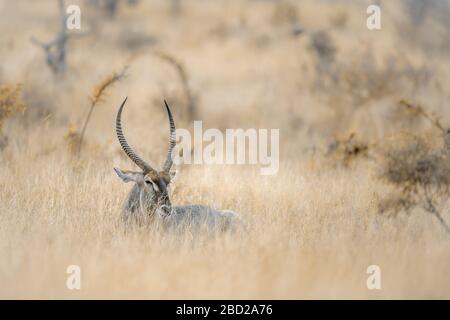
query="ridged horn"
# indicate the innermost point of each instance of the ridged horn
(172, 141)
(146, 168)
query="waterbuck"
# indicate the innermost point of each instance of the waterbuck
(149, 201)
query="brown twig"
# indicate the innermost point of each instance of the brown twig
(420, 111)
(181, 71)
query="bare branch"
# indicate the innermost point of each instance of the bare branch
(420, 111)
(55, 50)
(182, 74)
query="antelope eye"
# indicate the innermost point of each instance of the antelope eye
(154, 186)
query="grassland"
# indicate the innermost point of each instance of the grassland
(312, 229)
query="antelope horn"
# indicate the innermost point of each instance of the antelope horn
(126, 147)
(172, 141)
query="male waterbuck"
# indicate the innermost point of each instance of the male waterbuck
(149, 201)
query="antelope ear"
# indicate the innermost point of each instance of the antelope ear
(128, 176)
(173, 174)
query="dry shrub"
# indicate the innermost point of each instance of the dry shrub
(420, 175)
(347, 150)
(447, 141)
(415, 166)
(10, 103)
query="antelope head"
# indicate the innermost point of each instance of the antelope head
(151, 185)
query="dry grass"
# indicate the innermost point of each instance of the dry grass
(313, 229)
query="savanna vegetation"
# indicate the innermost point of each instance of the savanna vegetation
(364, 175)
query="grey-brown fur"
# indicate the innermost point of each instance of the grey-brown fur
(149, 200)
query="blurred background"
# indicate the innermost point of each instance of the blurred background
(311, 68)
